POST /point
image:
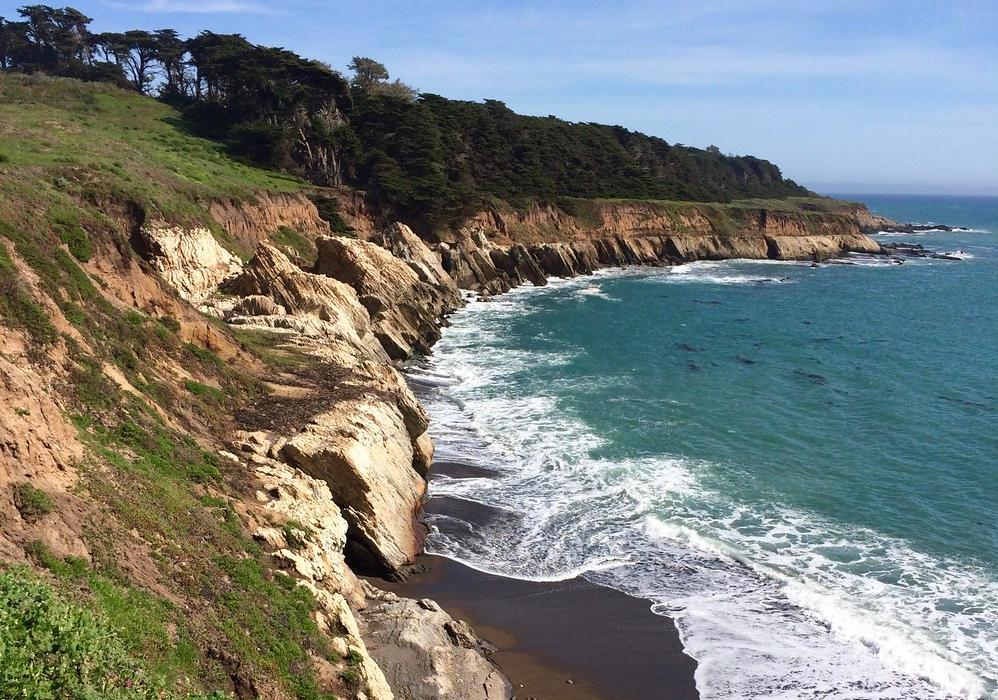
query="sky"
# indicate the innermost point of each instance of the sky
(844, 95)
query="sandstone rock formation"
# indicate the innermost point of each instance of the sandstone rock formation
(406, 312)
(818, 247)
(189, 259)
(405, 245)
(426, 654)
(299, 301)
(295, 516)
(365, 447)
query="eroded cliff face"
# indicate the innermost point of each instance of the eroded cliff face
(256, 220)
(501, 249)
(406, 311)
(629, 219)
(329, 457)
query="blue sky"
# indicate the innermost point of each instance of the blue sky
(843, 95)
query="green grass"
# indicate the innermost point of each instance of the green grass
(31, 502)
(53, 647)
(94, 141)
(155, 486)
(290, 239)
(199, 389)
(18, 308)
(70, 232)
(271, 347)
(253, 601)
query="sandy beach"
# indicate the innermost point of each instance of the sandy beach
(565, 640)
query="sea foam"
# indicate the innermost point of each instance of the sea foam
(771, 601)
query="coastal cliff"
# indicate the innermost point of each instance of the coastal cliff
(206, 436)
(501, 248)
(329, 449)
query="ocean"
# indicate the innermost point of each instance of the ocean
(797, 464)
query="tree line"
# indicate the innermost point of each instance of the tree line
(420, 156)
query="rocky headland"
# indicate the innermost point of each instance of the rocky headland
(330, 454)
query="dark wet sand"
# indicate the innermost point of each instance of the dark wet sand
(610, 645)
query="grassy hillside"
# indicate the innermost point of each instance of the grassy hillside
(170, 597)
(70, 148)
(421, 157)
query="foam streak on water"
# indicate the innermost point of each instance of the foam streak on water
(773, 600)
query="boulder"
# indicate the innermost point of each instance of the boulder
(256, 305)
(427, 655)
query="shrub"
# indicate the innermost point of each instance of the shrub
(295, 534)
(170, 323)
(350, 677)
(32, 503)
(328, 209)
(72, 234)
(53, 649)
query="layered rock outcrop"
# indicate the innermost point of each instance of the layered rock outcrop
(189, 259)
(406, 312)
(278, 294)
(493, 264)
(818, 247)
(594, 219)
(296, 517)
(369, 447)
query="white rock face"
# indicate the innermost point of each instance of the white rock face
(426, 654)
(364, 452)
(405, 245)
(277, 294)
(404, 309)
(189, 259)
(289, 502)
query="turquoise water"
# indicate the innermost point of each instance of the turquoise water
(798, 464)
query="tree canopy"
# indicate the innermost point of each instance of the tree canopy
(420, 156)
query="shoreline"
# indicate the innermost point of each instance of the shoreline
(563, 640)
(543, 647)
